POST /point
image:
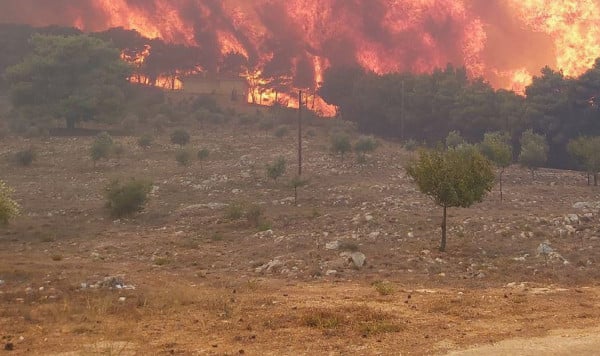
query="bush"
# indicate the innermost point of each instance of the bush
(145, 141)
(183, 157)
(180, 137)
(25, 158)
(203, 154)
(101, 147)
(266, 125)
(118, 149)
(411, 145)
(235, 211)
(277, 169)
(8, 207)
(281, 131)
(254, 215)
(454, 139)
(365, 145)
(340, 144)
(127, 198)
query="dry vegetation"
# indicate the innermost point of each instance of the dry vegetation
(221, 261)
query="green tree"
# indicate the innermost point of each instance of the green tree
(534, 151)
(454, 139)
(455, 178)
(277, 169)
(75, 78)
(365, 145)
(340, 144)
(496, 148)
(8, 207)
(101, 147)
(585, 150)
(180, 137)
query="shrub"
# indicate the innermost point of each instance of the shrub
(534, 151)
(266, 125)
(411, 145)
(180, 137)
(127, 198)
(183, 157)
(281, 131)
(25, 158)
(365, 145)
(145, 141)
(276, 169)
(203, 154)
(8, 207)
(254, 215)
(101, 147)
(340, 144)
(454, 139)
(235, 211)
(383, 288)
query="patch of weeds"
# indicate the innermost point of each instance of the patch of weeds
(383, 288)
(349, 246)
(323, 319)
(234, 212)
(25, 158)
(254, 215)
(217, 236)
(379, 327)
(183, 157)
(264, 226)
(57, 257)
(315, 213)
(161, 261)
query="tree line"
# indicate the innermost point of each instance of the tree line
(426, 107)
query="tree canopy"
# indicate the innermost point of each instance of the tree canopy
(458, 177)
(75, 78)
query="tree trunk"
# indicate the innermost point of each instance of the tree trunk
(295, 196)
(595, 179)
(588, 178)
(501, 197)
(70, 123)
(533, 174)
(443, 243)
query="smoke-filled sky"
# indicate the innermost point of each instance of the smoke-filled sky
(506, 41)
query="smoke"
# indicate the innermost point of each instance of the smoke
(300, 38)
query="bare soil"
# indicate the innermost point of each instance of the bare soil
(181, 278)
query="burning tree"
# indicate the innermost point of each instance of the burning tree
(75, 78)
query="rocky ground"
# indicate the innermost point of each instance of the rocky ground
(353, 268)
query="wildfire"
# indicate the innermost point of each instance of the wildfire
(288, 44)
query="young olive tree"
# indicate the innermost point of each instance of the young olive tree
(8, 207)
(340, 144)
(457, 177)
(534, 151)
(497, 149)
(585, 150)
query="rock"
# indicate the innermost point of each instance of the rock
(368, 217)
(410, 235)
(374, 234)
(122, 299)
(572, 218)
(331, 272)
(544, 249)
(1, 282)
(334, 245)
(270, 267)
(358, 259)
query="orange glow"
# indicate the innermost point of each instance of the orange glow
(284, 37)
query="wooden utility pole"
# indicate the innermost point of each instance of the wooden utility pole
(402, 113)
(299, 133)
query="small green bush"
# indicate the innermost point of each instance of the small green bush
(281, 131)
(340, 144)
(145, 141)
(277, 169)
(234, 211)
(101, 147)
(8, 207)
(203, 154)
(365, 145)
(180, 137)
(411, 145)
(127, 198)
(25, 158)
(254, 215)
(266, 125)
(183, 157)
(118, 149)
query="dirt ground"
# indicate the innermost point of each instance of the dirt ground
(182, 278)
